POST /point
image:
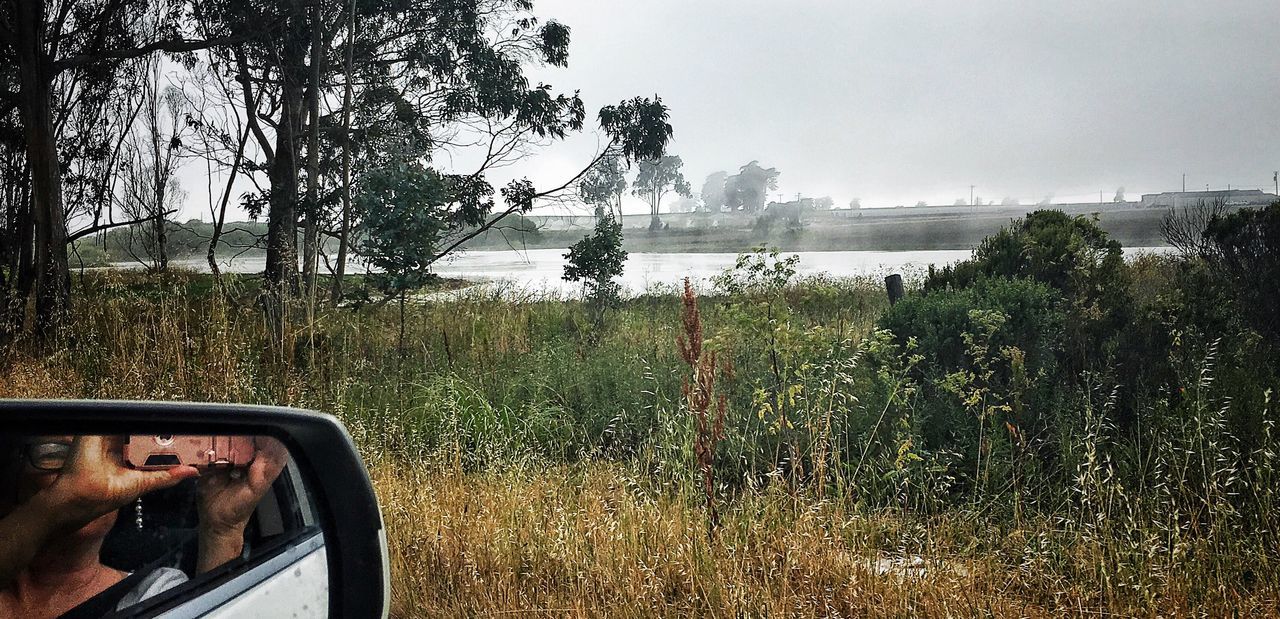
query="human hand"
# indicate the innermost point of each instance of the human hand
(227, 497)
(95, 481)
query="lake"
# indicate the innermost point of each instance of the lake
(541, 269)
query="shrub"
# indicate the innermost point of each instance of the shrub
(1070, 254)
(989, 363)
(596, 260)
(86, 254)
(1245, 250)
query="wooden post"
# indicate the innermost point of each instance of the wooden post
(893, 285)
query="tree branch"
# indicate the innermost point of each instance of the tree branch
(167, 45)
(251, 106)
(71, 238)
(512, 209)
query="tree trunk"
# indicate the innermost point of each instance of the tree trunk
(335, 293)
(311, 235)
(25, 265)
(222, 208)
(52, 277)
(18, 238)
(162, 242)
(159, 180)
(282, 219)
(655, 222)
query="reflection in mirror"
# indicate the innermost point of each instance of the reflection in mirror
(91, 525)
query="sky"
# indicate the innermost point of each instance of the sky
(900, 101)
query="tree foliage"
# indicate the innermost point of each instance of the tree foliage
(1244, 247)
(596, 260)
(712, 192)
(402, 83)
(604, 184)
(64, 71)
(405, 208)
(748, 190)
(639, 127)
(658, 177)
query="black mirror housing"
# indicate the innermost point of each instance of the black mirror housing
(323, 451)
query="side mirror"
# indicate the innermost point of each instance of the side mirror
(214, 510)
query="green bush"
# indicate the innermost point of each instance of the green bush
(87, 254)
(1245, 251)
(595, 261)
(989, 356)
(1071, 254)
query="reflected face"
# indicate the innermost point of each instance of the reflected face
(39, 463)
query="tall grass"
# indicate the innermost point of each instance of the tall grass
(528, 464)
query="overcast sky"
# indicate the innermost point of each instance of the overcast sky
(899, 101)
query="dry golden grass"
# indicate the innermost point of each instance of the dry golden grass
(585, 542)
(594, 540)
(583, 545)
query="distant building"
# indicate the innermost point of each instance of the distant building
(1232, 197)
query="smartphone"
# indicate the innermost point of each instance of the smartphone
(154, 452)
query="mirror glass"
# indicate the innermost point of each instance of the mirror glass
(91, 526)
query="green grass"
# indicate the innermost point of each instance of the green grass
(519, 409)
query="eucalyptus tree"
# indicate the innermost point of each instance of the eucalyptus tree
(416, 79)
(151, 191)
(444, 80)
(220, 140)
(415, 215)
(713, 191)
(603, 186)
(15, 239)
(272, 74)
(56, 55)
(658, 177)
(748, 190)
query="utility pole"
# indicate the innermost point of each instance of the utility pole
(1184, 182)
(1100, 195)
(1275, 177)
(971, 194)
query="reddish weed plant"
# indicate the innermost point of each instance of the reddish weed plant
(699, 394)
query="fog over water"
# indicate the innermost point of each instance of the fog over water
(540, 270)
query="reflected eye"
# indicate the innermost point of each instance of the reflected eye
(48, 456)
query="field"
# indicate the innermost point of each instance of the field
(875, 230)
(879, 230)
(537, 458)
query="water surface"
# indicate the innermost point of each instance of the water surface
(541, 269)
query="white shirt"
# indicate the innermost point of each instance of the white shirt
(158, 581)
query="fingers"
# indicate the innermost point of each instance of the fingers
(269, 461)
(273, 452)
(112, 448)
(85, 450)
